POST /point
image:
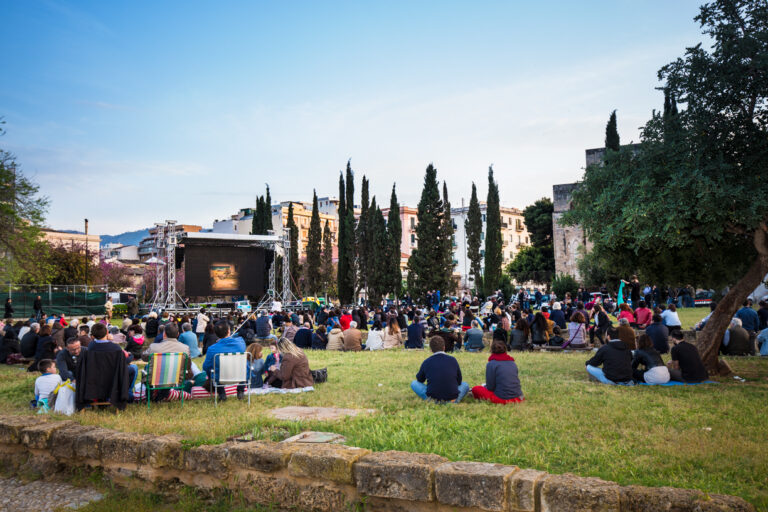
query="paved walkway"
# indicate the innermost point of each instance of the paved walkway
(40, 496)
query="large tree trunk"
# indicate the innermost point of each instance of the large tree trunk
(711, 337)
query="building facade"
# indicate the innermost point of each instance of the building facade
(408, 222)
(147, 247)
(302, 216)
(567, 240)
(74, 241)
(514, 236)
(120, 252)
(238, 224)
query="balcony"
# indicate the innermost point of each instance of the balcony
(504, 225)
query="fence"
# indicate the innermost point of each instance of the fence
(72, 300)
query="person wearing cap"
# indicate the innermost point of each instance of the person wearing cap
(557, 315)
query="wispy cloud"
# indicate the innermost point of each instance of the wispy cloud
(102, 105)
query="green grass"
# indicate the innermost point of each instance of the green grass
(708, 437)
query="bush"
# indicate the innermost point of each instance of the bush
(120, 309)
(564, 283)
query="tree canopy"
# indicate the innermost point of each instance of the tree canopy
(536, 262)
(690, 205)
(426, 265)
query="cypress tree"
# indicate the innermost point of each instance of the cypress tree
(612, 133)
(378, 259)
(492, 275)
(256, 219)
(426, 264)
(314, 248)
(342, 270)
(327, 263)
(293, 232)
(350, 188)
(473, 226)
(347, 295)
(394, 277)
(363, 237)
(447, 240)
(267, 214)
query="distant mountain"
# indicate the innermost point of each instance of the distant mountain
(72, 231)
(129, 238)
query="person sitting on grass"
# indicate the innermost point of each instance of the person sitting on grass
(415, 334)
(135, 341)
(289, 330)
(225, 345)
(577, 332)
(473, 338)
(335, 338)
(643, 316)
(627, 333)
(46, 383)
(616, 360)
(375, 339)
(647, 357)
(168, 343)
(46, 348)
(736, 341)
(450, 334)
(294, 366)
(519, 336)
(319, 338)
(556, 340)
(686, 365)
(353, 338)
(67, 359)
(392, 336)
(442, 375)
(264, 327)
(257, 364)
(557, 315)
(189, 339)
(303, 336)
(626, 312)
(502, 384)
(99, 372)
(671, 319)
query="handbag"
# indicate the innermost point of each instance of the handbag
(320, 375)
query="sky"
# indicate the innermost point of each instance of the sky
(130, 113)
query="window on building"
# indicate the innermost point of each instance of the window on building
(483, 217)
(413, 239)
(413, 223)
(482, 235)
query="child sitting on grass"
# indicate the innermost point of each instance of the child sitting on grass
(46, 383)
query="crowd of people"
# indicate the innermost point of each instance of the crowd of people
(628, 343)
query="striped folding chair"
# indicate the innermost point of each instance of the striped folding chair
(166, 371)
(231, 368)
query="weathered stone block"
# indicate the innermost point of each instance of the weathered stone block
(635, 498)
(11, 427)
(122, 447)
(38, 436)
(332, 462)
(524, 490)
(473, 484)
(571, 493)
(279, 492)
(264, 456)
(41, 464)
(161, 452)
(88, 444)
(209, 459)
(403, 475)
(722, 503)
(321, 498)
(63, 441)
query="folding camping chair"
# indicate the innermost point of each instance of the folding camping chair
(231, 368)
(166, 371)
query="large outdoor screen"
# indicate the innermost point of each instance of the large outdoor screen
(220, 270)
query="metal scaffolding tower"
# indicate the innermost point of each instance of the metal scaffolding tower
(171, 241)
(158, 300)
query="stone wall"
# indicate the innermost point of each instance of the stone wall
(566, 239)
(326, 477)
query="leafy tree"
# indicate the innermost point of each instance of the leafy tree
(705, 171)
(537, 262)
(293, 232)
(492, 278)
(343, 267)
(363, 238)
(612, 140)
(473, 226)
(22, 212)
(426, 264)
(564, 283)
(447, 237)
(69, 264)
(114, 275)
(327, 270)
(594, 270)
(394, 237)
(314, 249)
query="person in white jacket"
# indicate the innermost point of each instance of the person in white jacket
(202, 323)
(375, 340)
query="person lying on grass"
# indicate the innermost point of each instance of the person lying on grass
(442, 375)
(502, 384)
(616, 360)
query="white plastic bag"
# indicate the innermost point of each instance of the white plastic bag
(65, 399)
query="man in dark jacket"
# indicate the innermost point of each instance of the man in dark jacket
(303, 337)
(415, 334)
(616, 360)
(67, 359)
(442, 375)
(737, 341)
(103, 372)
(659, 334)
(29, 341)
(264, 327)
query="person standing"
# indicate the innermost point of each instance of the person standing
(108, 307)
(8, 309)
(37, 306)
(202, 323)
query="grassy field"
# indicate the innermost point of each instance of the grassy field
(708, 437)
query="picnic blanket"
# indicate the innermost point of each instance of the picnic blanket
(678, 383)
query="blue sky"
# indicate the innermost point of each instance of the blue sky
(129, 113)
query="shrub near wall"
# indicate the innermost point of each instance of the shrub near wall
(326, 477)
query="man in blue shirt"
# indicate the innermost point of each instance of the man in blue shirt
(442, 375)
(264, 327)
(415, 334)
(189, 338)
(748, 316)
(225, 345)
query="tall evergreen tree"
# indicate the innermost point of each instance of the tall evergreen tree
(293, 232)
(473, 226)
(343, 269)
(326, 267)
(267, 215)
(447, 239)
(314, 249)
(256, 220)
(363, 237)
(492, 274)
(350, 187)
(378, 278)
(612, 133)
(347, 296)
(426, 264)
(394, 278)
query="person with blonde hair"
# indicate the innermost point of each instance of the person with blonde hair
(392, 336)
(294, 366)
(257, 364)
